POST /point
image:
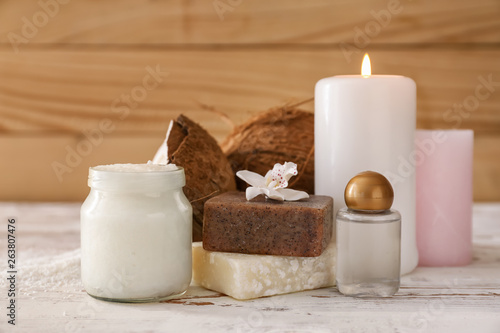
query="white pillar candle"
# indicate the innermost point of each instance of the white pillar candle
(367, 122)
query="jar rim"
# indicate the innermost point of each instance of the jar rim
(136, 177)
(135, 168)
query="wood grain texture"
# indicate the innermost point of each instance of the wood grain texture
(486, 167)
(69, 91)
(30, 172)
(68, 94)
(433, 300)
(79, 64)
(242, 21)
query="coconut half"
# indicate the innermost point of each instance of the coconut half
(208, 172)
(276, 136)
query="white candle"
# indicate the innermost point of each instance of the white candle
(367, 122)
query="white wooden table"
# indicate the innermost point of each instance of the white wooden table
(461, 299)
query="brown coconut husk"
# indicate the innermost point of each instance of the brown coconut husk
(208, 172)
(282, 134)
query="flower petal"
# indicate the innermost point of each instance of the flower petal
(293, 195)
(272, 184)
(274, 194)
(290, 169)
(252, 178)
(252, 192)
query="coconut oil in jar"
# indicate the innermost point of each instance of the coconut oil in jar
(136, 227)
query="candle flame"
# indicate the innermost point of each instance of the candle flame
(366, 68)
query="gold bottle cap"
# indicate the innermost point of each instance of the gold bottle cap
(369, 190)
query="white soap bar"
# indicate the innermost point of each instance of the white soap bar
(246, 276)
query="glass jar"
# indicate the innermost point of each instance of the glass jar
(368, 252)
(368, 238)
(136, 227)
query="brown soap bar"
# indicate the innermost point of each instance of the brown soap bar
(263, 226)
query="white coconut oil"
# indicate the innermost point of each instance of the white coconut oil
(136, 229)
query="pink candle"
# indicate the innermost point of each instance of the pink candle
(444, 197)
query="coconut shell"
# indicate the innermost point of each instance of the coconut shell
(275, 136)
(208, 172)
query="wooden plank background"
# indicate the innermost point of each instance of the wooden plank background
(65, 65)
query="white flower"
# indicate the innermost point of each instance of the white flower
(273, 184)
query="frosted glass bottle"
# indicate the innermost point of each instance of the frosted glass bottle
(368, 239)
(136, 233)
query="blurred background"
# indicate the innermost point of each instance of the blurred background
(94, 82)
